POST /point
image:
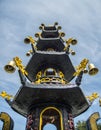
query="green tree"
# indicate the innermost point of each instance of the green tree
(99, 126)
(81, 125)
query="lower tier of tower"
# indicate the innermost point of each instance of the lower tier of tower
(46, 116)
(69, 96)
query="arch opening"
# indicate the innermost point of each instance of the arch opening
(49, 126)
(51, 116)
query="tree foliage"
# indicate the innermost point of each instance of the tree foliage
(99, 126)
(81, 125)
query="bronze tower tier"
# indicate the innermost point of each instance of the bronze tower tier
(47, 95)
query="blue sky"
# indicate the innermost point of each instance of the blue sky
(21, 18)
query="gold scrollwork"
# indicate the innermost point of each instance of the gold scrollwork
(49, 80)
(18, 63)
(61, 74)
(81, 67)
(92, 97)
(39, 74)
(70, 41)
(31, 40)
(5, 95)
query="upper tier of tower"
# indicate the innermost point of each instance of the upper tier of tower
(50, 38)
(50, 61)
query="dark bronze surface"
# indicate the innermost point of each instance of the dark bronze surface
(43, 60)
(69, 96)
(44, 43)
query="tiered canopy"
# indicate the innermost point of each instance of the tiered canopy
(50, 54)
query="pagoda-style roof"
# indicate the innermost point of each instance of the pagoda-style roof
(46, 79)
(50, 27)
(42, 60)
(45, 43)
(30, 96)
(50, 34)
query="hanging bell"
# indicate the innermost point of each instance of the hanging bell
(59, 28)
(28, 53)
(92, 69)
(42, 24)
(62, 34)
(27, 40)
(74, 42)
(72, 52)
(85, 71)
(56, 23)
(37, 35)
(10, 67)
(40, 27)
(100, 102)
